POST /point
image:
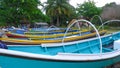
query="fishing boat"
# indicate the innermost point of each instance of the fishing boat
(16, 30)
(44, 27)
(49, 31)
(53, 40)
(77, 54)
(44, 35)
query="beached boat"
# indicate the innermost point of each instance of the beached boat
(53, 40)
(16, 30)
(45, 35)
(44, 27)
(49, 32)
(77, 54)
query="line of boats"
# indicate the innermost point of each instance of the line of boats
(74, 49)
(55, 38)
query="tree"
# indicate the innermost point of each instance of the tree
(88, 9)
(17, 11)
(57, 9)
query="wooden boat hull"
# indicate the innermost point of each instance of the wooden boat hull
(37, 42)
(15, 36)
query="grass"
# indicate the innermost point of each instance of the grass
(112, 29)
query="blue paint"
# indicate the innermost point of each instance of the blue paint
(3, 45)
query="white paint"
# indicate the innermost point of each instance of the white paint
(116, 45)
(64, 56)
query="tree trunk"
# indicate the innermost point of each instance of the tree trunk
(58, 24)
(51, 21)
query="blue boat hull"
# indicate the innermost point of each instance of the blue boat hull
(18, 62)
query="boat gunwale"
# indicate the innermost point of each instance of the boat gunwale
(66, 57)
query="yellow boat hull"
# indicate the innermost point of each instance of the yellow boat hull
(41, 36)
(37, 42)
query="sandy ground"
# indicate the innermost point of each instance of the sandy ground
(117, 65)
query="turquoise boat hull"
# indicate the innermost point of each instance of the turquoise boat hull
(17, 62)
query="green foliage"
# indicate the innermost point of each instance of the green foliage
(21, 11)
(58, 10)
(88, 9)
